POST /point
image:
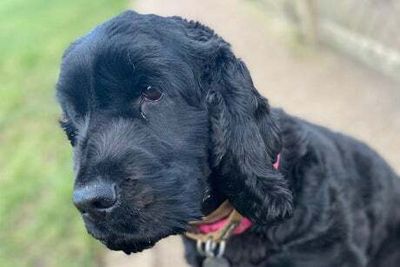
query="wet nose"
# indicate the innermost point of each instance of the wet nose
(95, 198)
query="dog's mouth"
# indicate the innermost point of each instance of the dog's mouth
(129, 245)
(124, 238)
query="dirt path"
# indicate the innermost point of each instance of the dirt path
(322, 87)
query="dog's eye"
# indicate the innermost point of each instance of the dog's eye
(69, 130)
(152, 94)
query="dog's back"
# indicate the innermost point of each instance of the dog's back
(375, 203)
(363, 190)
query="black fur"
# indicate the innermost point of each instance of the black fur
(211, 136)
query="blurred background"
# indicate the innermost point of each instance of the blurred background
(336, 63)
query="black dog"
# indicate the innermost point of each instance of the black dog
(166, 124)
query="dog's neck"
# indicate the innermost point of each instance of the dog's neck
(222, 222)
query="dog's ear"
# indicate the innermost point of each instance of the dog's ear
(244, 136)
(244, 142)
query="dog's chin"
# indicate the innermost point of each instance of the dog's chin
(124, 241)
(129, 245)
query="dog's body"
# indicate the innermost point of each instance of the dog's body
(347, 206)
(166, 124)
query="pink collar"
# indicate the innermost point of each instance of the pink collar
(244, 224)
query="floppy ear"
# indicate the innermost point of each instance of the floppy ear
(244, 142)
(244, 137)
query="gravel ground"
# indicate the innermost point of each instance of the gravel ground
(322, 87)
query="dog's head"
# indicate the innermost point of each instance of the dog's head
(165, 123)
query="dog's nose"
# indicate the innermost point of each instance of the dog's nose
(95, 198)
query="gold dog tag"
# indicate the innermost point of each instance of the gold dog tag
(216, 262)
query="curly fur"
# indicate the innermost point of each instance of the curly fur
(333, 202)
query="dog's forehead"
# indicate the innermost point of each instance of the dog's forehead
(113, 61)
(118, 59)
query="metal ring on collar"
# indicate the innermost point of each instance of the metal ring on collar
(210, 247)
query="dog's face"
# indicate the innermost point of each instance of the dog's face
(136, 94)
(132, 113)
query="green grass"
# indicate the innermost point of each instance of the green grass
(38, 223)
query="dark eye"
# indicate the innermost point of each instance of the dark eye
(69, 130)
(152, 94)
